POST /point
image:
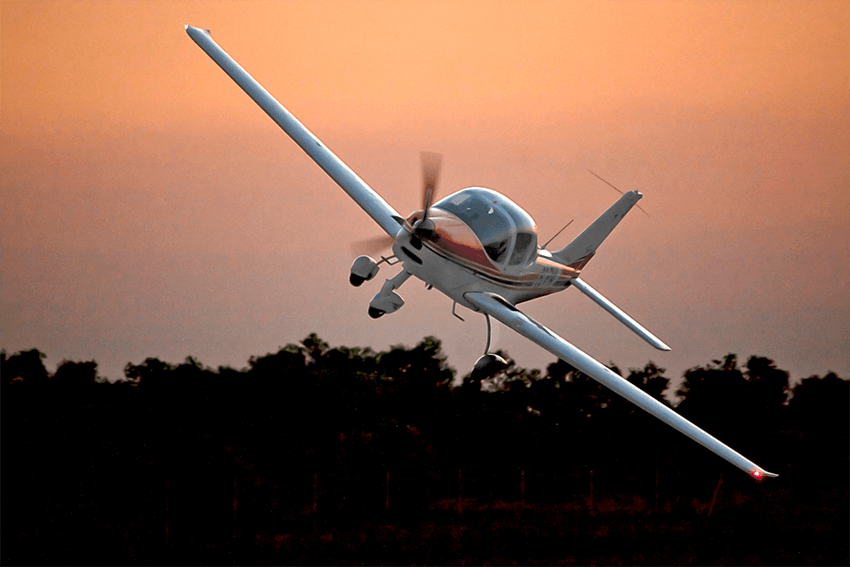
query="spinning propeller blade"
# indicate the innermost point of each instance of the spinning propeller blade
(430, 173)
(371, 246)
(422, 228)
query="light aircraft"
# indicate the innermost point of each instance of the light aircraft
(480, 249)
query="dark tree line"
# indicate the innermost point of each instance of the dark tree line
(319, 440)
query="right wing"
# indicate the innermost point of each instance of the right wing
(357, 189)
(500, 309)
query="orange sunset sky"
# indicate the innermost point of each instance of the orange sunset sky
(150, 209)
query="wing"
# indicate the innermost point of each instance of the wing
(356, 188)
(500, 309)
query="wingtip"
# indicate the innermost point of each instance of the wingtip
(189, 29)
(656, 342)
(761, 474)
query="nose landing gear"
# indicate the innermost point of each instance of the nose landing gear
(387, 300)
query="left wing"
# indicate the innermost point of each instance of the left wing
(357, 189)
(500, 309)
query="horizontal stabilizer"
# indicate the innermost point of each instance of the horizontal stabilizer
(619, 314)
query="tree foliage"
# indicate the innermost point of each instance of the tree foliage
(349, 414)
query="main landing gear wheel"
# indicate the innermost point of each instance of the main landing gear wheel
(375, 313)
(363, 269)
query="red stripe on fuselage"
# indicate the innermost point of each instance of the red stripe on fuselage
(455, 241)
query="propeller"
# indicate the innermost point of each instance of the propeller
(371, 246)
(422, 228)
(430, 173)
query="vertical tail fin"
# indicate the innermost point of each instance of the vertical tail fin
(578, 252)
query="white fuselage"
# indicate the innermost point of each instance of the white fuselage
(455, 275)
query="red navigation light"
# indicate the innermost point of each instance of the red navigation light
(757, 475)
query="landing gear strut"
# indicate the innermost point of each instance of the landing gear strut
(387, 300)
(489, 364)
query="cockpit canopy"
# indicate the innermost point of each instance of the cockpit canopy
(508, 233)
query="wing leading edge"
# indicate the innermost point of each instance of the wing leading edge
(500, 309)
(357, 189)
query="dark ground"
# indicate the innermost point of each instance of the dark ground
(287, 462)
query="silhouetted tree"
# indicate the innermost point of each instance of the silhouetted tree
(314, 347)
(27, 366)
(76, 374)
(151, 373)
(88, 461)
(827, 395)
(288, 360)
(768, 385)
(715, 396)
(651, 380)
(820, 410)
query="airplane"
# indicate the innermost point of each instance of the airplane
(480, 249)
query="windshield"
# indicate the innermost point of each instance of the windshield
(505, 230)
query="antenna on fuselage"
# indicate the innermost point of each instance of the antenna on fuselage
(615, 189)
(556, 235)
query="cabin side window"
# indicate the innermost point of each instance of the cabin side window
(497, 250)
(524, 242)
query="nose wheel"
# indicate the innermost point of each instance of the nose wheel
(387, 300)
